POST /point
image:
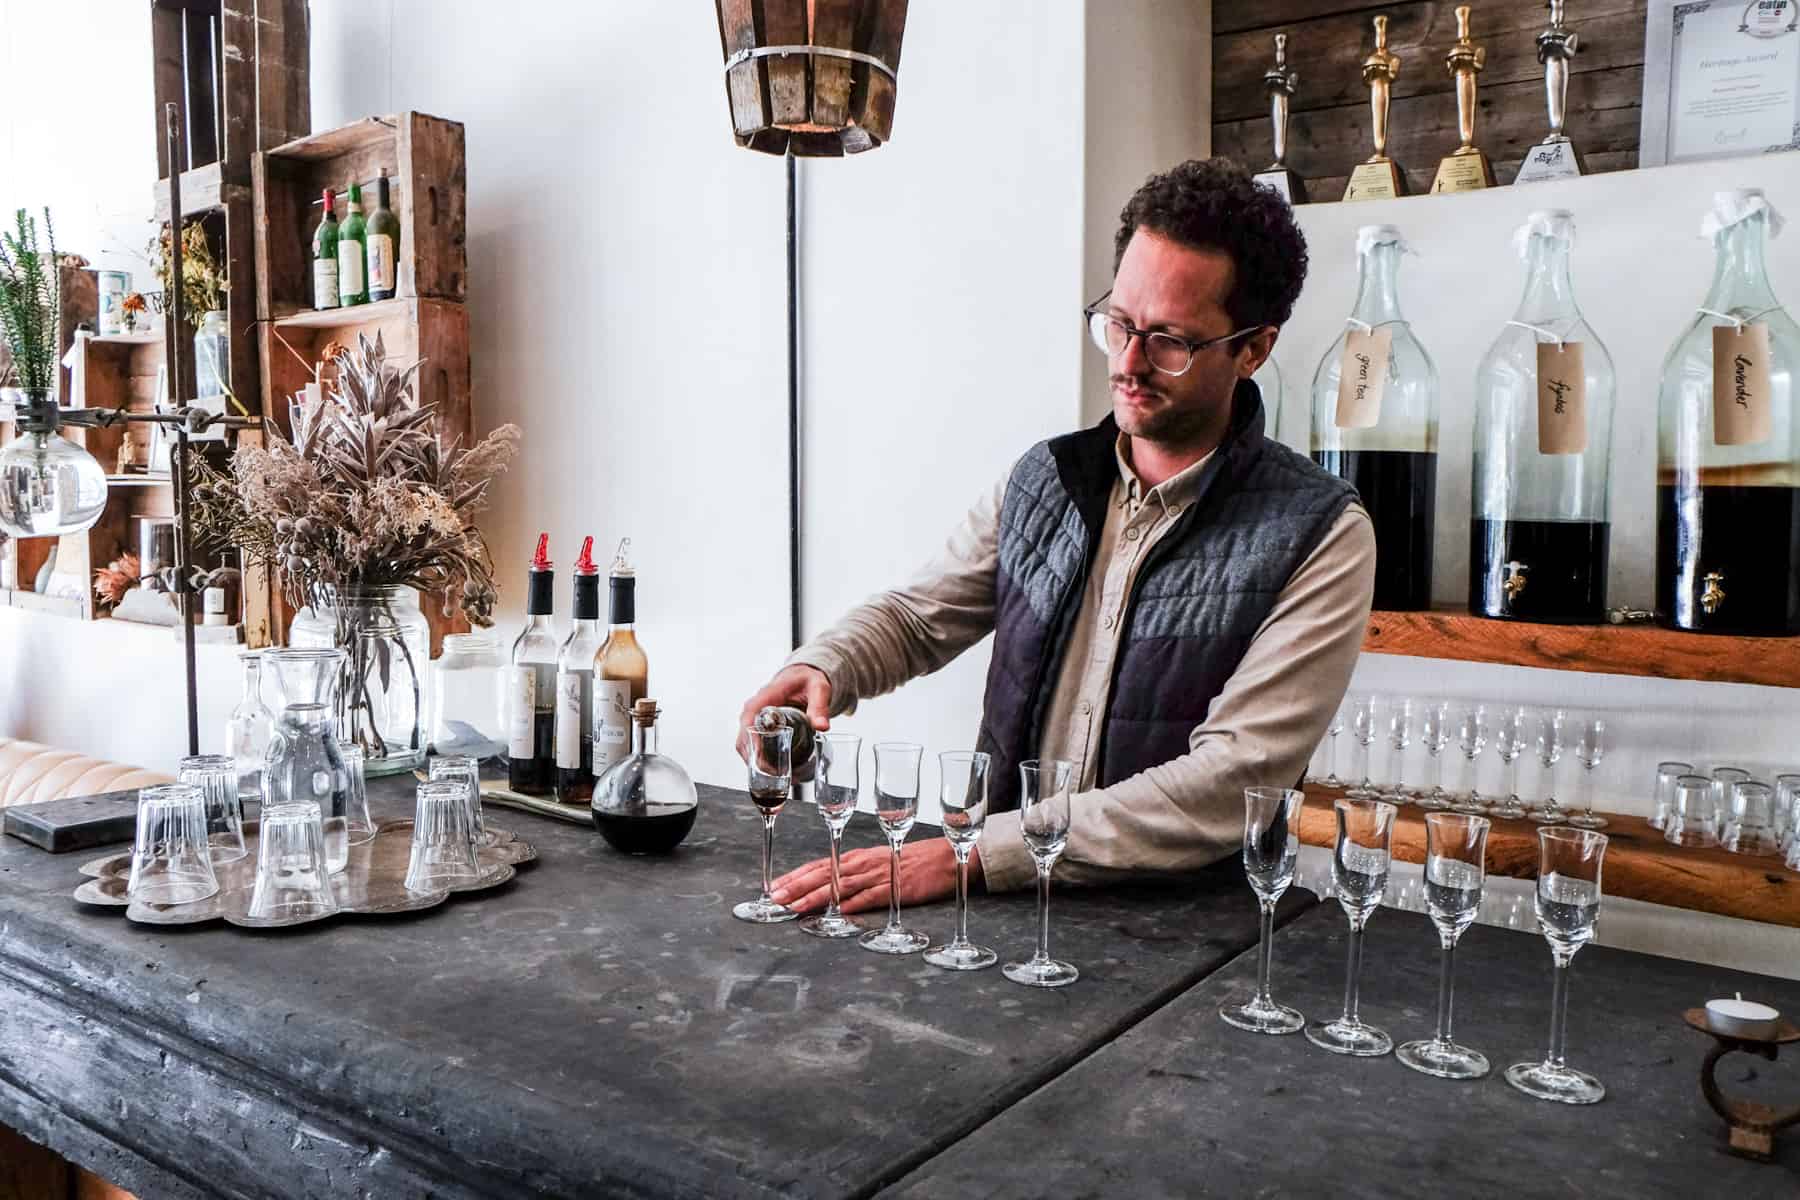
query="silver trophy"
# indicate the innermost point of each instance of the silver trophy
(1554, 157)
(1279, 81)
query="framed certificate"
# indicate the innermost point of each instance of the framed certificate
(1721, 78)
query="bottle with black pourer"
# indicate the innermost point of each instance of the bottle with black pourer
(575, 686)
(531, 693)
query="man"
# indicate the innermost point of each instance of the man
(1177, 603)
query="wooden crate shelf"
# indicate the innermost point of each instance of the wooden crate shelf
(1636, 649)
(342, 318)
(1639, 863)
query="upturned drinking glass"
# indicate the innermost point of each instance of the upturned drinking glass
(1724, 781)
(1691, 820)
(1400, 728)
(1591, 737)
(466, 770)
(216, 775)
(1359, 872)
(1568, 907)
(1365, 726)
(835, 788)
(769, 754)
(1512, 734)
(293, 879)
(1044, 788)
(896, 807)
(1552, 740)
(1787, 809)
(1271, 850)
(305, 767)
(1434, 735)
(1471, 733)
(1455, 870)
(442, 855)
(963, 795)
(171, 860)
(1666, 775)
(357, 821)
(1751, 829)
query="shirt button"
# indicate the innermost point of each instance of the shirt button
(1084, 708)
(1175, 512)
(1107, 622)
(1133, 533)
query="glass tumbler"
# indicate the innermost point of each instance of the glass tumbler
(1666, 775)
(443, 845)
(171, 860)
(293, 880)
(1752, 827)
(216, 775)
(1691, 819)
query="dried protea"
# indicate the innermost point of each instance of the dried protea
(117, 577)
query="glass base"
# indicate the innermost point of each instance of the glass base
(764, 912)
(1475, 806)
(964, 956)
(1587, 821)
(1397, 798)
(1549, 816)
(895, 939)
(1446, 1060)
(1561, 1084)
(1434, 802)
(1342, 1037)
(1045, 972)
(1258, 1017)
(1512, 808)
(831, 925)
(1357, 791)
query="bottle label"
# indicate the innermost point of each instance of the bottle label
(381, 262)
(325, 287)
(612, 722)
(1561, 398)
(351, 281)
(1742, 412)
(574, 698)
(521, 712)
(1362, 375)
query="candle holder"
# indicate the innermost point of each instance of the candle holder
(1752, 1125)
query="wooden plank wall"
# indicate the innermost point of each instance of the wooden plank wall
(1329, 132)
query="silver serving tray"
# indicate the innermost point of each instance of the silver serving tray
(372, 884)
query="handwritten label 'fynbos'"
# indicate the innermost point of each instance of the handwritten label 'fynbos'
(1742, 412)
(1362, 376)
(1561, 398)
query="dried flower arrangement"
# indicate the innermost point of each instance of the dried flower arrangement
(117, 577)
(202, 276)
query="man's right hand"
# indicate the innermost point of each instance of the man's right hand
(797, 686)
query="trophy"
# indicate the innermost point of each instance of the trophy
(1554, 157)
(1279, 82)
(1466, 168)
(1379, 178)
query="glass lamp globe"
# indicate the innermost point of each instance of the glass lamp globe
(49, 486)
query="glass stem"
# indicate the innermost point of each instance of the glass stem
(962, 896)
(1363, 780)
(836, 882)
(1265, 947)
(1446, 988)
(1043, 946)
(1352, 974)
(1559, 1011)
(768, 857)
(894, 887)
(1437, 775)
(1512, 780)
(1331, 775)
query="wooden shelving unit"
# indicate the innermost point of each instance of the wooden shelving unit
(1639, 863)
(1637, 649)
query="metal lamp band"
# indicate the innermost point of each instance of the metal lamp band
(748, 53)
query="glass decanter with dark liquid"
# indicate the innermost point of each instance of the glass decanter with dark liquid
(645, 803)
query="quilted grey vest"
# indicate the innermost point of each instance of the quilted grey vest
(1198, 598)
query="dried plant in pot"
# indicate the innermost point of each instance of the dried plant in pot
(365, 509)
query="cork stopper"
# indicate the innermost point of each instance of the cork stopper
(645, 712)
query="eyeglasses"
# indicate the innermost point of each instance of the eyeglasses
(1168, 353)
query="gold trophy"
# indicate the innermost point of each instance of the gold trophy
(1465, 169)
(1379, 178)
(1279, 81)
(1554, 157)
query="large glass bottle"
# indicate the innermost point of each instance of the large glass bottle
(531, 687)
(1728, 476)
(1382, 437)
(575, 686)
(1538, 533)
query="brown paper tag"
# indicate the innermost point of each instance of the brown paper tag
(1362, 375)
(1742, 412)
(1562, 399)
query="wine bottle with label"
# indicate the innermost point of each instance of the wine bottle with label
(324, 258)
(575, 686)
(353, 266)
(621, 669)
(531, 692)
(383, 243)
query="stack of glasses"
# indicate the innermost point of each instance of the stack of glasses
(1726, 807)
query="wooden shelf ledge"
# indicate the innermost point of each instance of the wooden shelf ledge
(1639, 863)
(399, 308)
(1637, 649)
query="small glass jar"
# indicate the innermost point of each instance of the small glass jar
(645, 803)
(212, 350)
(468, 699)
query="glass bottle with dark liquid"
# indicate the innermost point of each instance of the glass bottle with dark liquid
(531, 691)
(575, 686)
(1728, 466)
(645, 803)
(1378, 430)
(1539, 538)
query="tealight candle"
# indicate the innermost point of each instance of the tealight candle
(1742, 1018)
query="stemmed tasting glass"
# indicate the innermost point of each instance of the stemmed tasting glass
(1434, 735)
(1400, 735)
(1455, 869)
(963, 795)
(1359, 871)
(1365, 720)
(1568, 905)
(1512, 733)
(835, 787)
(1044, 820)
(1471, 739)
(1271, 849)
(770, 756)
(896, 807)
(1552, 739)
(1590, 748)
(1338, 720)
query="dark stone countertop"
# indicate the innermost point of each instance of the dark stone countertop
(1185, 1105)
(599, 1026)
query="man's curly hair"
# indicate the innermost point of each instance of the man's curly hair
(1213, 204)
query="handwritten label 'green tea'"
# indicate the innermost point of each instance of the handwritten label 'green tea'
(1362, 375)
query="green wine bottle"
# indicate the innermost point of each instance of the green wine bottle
(353, 266)
(324, 252)
(383, 242)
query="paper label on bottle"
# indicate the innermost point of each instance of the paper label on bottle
(381, 262)
(351, 278)
(1561, 398)
(1743, 414)
(572, 718)
(325, 287)
(1362, 375)
(612, 722)
(521, 712)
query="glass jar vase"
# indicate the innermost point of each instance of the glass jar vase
(468, 699)
(387, 646)
(212, 349)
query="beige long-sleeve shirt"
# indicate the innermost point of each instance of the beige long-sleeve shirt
(1260, 729)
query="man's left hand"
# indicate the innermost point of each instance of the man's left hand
(927, 873)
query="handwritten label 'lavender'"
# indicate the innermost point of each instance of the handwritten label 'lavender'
(1742, 412)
